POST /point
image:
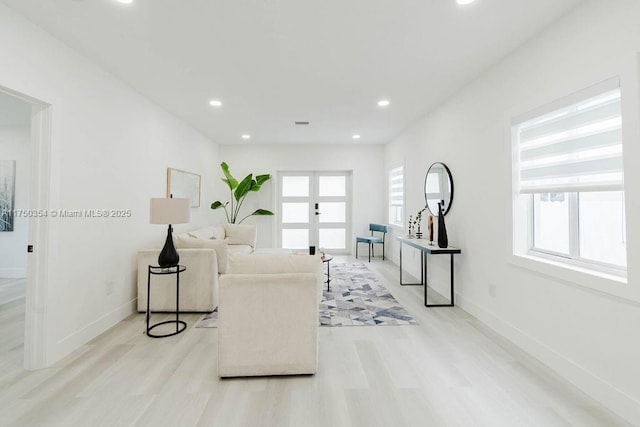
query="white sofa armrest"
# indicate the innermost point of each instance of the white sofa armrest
(198, 284)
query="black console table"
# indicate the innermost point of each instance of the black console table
(180, 324)
(426, 249)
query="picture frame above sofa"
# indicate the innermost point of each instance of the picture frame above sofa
(183, 184)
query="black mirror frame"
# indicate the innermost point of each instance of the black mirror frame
(426, 202)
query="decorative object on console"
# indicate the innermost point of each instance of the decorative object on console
(410, 226)
(438, 187)
(239, 191)
(183, 184)
(443, 240)
(419, 223)
(169, 211)
(431, 229)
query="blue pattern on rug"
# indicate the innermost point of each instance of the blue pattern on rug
(356, 298)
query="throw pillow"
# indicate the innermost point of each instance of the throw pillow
(220, 247)
(241, 234)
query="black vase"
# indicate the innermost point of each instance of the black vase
(169, 256)
(443, 240)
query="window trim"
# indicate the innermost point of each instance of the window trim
(404, 201)
(573, 257)
(627, 68)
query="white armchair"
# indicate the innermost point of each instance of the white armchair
(268, 315)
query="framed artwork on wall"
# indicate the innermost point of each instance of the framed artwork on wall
(7, 194)
(184, 184)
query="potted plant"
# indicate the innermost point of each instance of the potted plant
(239, 191)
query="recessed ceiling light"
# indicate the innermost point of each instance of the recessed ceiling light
(383, 103)
(215, 103)
(246, 136)
(356, 136)
(463, 2)
(125, 1)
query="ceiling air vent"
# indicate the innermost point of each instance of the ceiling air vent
(301, 123)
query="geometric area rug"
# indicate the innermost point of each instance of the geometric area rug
(356, 298)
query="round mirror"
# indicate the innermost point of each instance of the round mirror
(438, 187)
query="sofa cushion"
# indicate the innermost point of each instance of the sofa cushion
(218, 232)
(207, 233)
(220, 246)
(239, 249)
(241, 234)
(274, 263)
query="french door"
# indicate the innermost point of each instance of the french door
(314, 210)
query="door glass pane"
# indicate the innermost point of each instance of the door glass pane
(295, 213)
(332, 238)
(551, 222)
(332, 186)
(333, 212)
(295, 186)
(295, 238)
(602, 227)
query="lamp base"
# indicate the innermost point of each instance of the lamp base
(168, 256)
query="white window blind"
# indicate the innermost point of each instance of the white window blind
(396, 196)
(573, 146)
(396, 186)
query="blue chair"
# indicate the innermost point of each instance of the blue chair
(371, 240)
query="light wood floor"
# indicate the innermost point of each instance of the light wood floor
(12, 294)
(448, 371)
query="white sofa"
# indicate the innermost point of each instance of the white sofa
(205, 253)
(268, 315)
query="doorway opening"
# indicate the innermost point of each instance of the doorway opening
(24, 201)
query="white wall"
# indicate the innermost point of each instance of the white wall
(110, 150)
(368, 179)
(14, 145)
(589, 337)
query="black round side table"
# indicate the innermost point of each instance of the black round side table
(180, 325)
(327, 258)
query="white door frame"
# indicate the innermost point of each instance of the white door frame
(36, 307)
(314, 225)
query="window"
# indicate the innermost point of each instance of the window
(396, 196)
(569, 180)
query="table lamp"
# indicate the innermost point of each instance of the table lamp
(169, 211)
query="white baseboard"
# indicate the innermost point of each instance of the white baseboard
(75, 340)
(13, 273)
(613, 398)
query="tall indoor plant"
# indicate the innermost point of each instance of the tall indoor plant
(239, 191)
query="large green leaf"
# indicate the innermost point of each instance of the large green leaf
(260, 179)
(230, 180)
(262, 212)
(244, 187)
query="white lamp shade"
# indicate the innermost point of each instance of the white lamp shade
(170, 211)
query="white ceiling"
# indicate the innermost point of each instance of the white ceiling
(272, 62)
